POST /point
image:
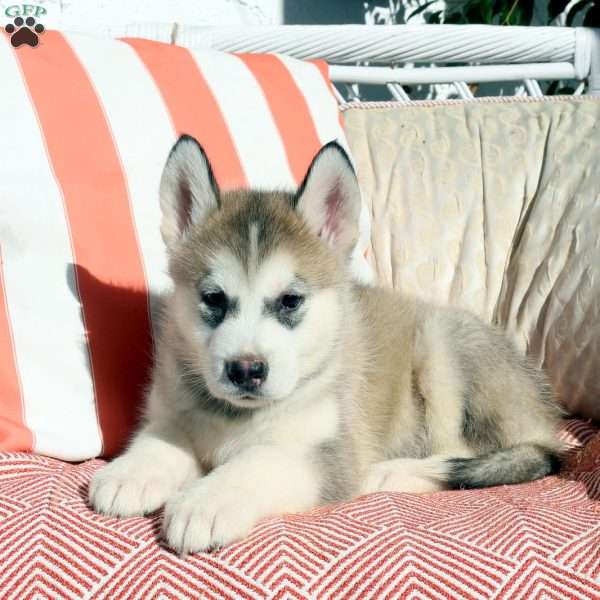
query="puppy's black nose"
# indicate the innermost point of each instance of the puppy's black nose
(247, 373)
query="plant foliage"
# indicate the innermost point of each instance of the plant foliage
(507, 12)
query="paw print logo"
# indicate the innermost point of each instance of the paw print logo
(24, 32)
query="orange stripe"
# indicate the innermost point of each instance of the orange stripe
(324, 70)
(108, 265)
(14, 434)
(289, 109)
(193, 107)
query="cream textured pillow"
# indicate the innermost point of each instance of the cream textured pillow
(494, 206)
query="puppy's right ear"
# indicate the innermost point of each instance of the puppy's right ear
(188, 190)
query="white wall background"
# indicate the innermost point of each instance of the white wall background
(105, 16)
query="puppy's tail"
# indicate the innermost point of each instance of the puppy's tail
(517, 464)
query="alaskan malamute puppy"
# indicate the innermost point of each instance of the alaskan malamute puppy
(280, 384)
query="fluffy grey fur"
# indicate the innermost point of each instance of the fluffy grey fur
(366, 391)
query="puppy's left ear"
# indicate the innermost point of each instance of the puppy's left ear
(329, 198)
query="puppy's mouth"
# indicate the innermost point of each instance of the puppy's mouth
(245, 400)
(246, 395)
(226, 392)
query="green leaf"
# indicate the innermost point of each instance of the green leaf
(484, 9)
(592, 17)
(420, 9)
(434, 17)
(474, 13)
(575, 10)
(527, 14)
(556, 7)
(517, 12)
(455, 18)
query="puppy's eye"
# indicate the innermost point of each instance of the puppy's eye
(290, 302)
(214, 300)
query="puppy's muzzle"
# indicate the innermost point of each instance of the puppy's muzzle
(247, 373)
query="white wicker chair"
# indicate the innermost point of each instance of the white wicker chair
(391, 55)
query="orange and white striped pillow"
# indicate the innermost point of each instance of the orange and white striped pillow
(86, 125)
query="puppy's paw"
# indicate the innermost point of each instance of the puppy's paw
(128, 487)
(206, 515)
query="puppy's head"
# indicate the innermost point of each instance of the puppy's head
(259, 276)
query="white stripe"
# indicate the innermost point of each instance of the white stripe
(43, 302)
(249, 120)
(322, 106)
(143, 134)
(323, 110)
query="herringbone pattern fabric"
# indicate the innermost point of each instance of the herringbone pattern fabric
(540, 540)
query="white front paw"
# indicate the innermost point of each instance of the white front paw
(208, 515)
(130, 486)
